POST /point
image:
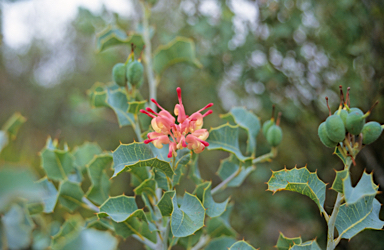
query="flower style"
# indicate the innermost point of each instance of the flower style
(188, 133)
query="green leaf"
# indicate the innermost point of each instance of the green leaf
(99, 223)
(50, 195)
(180, 49)
(365, 187)
(98, 95)
(70, 195)
(284, 243)
(308, 245)
(219, 226)
(138, 155)
(18, 227)
(223, 242)
(120, 208)
(69, 231)
(226, 137)
(241, 245)
(246, 120)
(3, 140)
(189, 241)
(199, 190)
(134, 226)
(56, 163)
(148, 204)
(15, 184)
(161, 180)
(85, 153)
(98, 192)
(301, 181)
(340, 155)
(13, 124)
(194, 173)
(213, 209)
(356, 217)
(148, 187)
(338, 182)
(35, 208)
(112, 36)
(229, 167)
(189, 218)
(165, 204)
(134, 107)
(117, 100)
(182, 160)
(138, 175)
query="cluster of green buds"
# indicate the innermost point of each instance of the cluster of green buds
(348, 125)
(130, 73)
(272, 130)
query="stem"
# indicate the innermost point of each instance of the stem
(201, 243)
(148, 56)
(145, 241)
(266, 157)
(137, 129)
(90, 205)
(225, 182)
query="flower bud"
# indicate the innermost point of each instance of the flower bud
(324, 137)
(274, 135)
(371, 132)
(335, 128)
(118, 74)
(135, 72)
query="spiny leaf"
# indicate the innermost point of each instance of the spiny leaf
(70, 195)
(194, 173)
(99, 223)
(180, 49)
(56, 163)
(340, 155)
(223, 242)
(165, 204)
(148, 186)
(219, 226)
(228, 167)
(182, 159)
(13, 124)
(189, 241)
(112, 36)
(50, 195)
(138, 155)
(301, 181)
(189, 218)
(134, 107)
(99, 190)
(241, 245)
(213, 209)
(226, 137)
(120, 208)
(98, 95)
(18, 227)
(356, 217)
(246, 120)
(308, 245)
(284, 243)
(338, 182)
(365, 187)
(133, 225)
(85, 153)
(117, 100)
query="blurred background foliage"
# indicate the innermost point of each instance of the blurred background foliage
(291, 53)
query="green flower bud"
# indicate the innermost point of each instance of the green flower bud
(118, 74)
(324, 137)
(371, 132)
(267, 125)
(335, 128)
(135, 73)
(355, 122)
(356, 110)
(274, 135)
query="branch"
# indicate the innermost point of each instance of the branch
(90, 204)
(225, 182)
(145, 241)
(201, 243)
(266, 157)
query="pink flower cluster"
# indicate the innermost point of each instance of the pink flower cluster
(188, 133)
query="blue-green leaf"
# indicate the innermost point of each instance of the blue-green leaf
(180, 49)
(134, 107)
(284, 243)
(365, 187)
(223, 242)
(226, 137)
(98, 192)
(182, 159)
(70, 195)
(148, 187)
(56, 163)
(189, 218)
(85, 153)
(138, 155)
(113, 36)
(165, 204)
(338, 182)
(219, 226)
(301, 181)
(246, 120)
(308, 245)
(13, 124)
(120, 208)
(117, 100)
(50, 195)
(228, 167)
(241, 245)
(194, 173)
(213, 209)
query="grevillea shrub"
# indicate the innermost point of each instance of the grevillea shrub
(166, 151)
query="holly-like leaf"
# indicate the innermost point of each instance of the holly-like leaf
(189, 241)
(226, 137)
(165, 204)
(133, 225)
(85, 153)
(213, 209)
(134, 107)
(138, 155)
(120, 208)
(223, 242)
(112, 36)
(15, 184)
(284, 243)
(99, 190)
(228, 167)
(356, 217)
(18, 227)
(179, 50)
(301, 181)
(56, 163)
(246, 120)
(182, 159)
(70, 195)
(13, 124)
(338, 182)
(219, 226)
(188, 218)
(50, 195)
(308, 245)
(117, 100)
(99, 223)
(69, 231)
(340, 155)
(241, 245)
(98, 95)
(365, 187)
(148, 187)
(194, 173)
